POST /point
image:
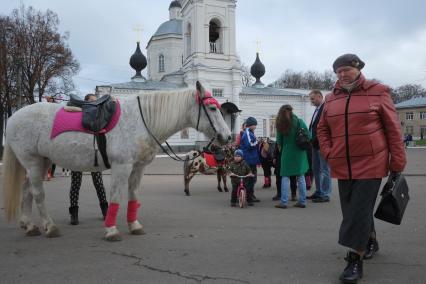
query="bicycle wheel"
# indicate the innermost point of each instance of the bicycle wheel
(242, 198)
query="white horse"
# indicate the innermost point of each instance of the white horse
(29, 151)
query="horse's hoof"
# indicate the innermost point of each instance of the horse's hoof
(138, 232)
(52, 232)
(23, 225)
(187, 193)
(112, 234)
(219, 189)
(226, 189)
(136, 228)
(32, 231)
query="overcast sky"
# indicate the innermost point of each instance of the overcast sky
(389, 35)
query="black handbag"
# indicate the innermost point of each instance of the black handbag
(302, 138)
(394, 201)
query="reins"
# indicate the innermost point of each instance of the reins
(175, 156)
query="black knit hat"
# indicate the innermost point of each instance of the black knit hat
(348, 60)
(251, 121)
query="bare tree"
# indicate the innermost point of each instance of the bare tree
(406, 92)
(43, 53)
(35, 60)
(306, 80)
(246, 77)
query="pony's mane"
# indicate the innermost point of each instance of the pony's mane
(165, 109)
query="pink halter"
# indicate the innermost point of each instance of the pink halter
(207, 100)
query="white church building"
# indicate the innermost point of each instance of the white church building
(198, 43)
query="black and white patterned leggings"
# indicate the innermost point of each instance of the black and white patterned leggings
(76, 178)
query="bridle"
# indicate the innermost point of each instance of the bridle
(201, 105)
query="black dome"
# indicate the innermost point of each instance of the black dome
(138, 61)
(175, 4)
(257, 70)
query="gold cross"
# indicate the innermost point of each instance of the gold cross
(257, 42)
(138, 30)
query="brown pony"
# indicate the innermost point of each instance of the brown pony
(196, 163)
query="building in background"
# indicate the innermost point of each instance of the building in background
(412, 114)
(198, 43)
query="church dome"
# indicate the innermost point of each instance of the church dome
(138, 61)
(257, 70)
(175, 4)
(170, 27)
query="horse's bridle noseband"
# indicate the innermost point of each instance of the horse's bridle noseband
(175, 156)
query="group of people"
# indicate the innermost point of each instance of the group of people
(355, 138)
(293, 165)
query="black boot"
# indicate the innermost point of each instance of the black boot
(74, 215)
(372, 248)
(353, 270)
(104, 208)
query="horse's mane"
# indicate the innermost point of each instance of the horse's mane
(165, 108)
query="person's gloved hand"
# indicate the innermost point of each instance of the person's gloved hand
(394, 176)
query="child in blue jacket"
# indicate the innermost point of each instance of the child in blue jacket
(249, 146)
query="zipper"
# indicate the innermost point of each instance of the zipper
(348, 158)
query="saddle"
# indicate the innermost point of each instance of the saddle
(219, 155)
(96, 114)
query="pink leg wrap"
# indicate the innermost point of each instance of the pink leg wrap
(111, 216)
(132, 210)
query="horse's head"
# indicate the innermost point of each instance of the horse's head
(208, 118)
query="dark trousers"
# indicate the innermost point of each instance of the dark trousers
(52, 169)
(278, 184)
(251, 182)
(357, 199)
(267, 167)
(76, 178)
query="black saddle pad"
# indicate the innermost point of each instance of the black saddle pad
(96, 114)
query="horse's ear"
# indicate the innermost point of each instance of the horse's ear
(200, 88)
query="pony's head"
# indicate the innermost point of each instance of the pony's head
(208, 118)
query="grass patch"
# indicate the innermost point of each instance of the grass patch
(421, 142)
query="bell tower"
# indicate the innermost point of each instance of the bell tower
(210, 46)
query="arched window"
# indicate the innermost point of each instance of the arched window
(188, 40)
(215, 39)
(161, 63)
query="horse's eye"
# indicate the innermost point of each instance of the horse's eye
(212, 107)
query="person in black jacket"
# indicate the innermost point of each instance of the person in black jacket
(320, 167)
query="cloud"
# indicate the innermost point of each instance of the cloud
(301, 35)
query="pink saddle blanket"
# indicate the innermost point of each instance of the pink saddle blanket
(71, 121)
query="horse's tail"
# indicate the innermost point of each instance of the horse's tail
(13, 178)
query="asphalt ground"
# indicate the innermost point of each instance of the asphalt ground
(201, 239)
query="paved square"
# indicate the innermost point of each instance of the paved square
(201, 239)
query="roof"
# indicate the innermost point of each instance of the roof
(175, 4)
(268, 91)
(173, 26)
(147, 85)
(412, 103)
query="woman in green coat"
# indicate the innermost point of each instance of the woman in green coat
(294, 160)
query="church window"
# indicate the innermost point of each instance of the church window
(272, 127)
(188, 44)
(215, 36)
(184, 134)
(217, 92)
(161, 63)
(265, 134)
